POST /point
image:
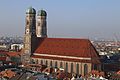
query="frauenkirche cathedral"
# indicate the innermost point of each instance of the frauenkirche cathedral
(73, 55)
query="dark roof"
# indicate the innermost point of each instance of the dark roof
(10, 54)
(2, 58)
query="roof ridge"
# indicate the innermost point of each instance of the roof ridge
(68, 38)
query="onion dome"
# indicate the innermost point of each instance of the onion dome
(42, 13)
(30, 10)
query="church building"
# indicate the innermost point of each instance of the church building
(72, 55)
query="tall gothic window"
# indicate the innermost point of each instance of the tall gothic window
(41, 62)
(61, 65)
(77, 68)
(46, 63)
(55, 64)
(37, 61)
(51, 63)
(95, 67)
(85, 69)
(66, 67)
(71, 67)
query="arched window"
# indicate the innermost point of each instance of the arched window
(36, 61)
(95, 66)
(32, 61)
(66, 67)
(46, 62)
(85, 69)
(71, 67)
(55, 64)
(41, 62)
(51, 63)
(61, 65)
(27, 22)
(77, 68)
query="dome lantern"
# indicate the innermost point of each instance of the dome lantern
(42, 13)
(30, 10)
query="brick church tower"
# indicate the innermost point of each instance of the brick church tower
(41, 27)
(30, 34)
(33, 32)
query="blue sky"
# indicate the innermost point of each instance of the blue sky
(66, 18)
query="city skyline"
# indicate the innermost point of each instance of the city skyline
(77, 19)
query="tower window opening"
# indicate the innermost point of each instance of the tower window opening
(38, 24)
(41, 62)
(27, 22)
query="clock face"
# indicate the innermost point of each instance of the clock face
(27, 31)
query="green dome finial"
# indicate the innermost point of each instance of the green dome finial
(42, 13)
(30, 10)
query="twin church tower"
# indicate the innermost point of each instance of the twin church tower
(35, 28)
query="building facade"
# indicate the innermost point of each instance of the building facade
(72, 55)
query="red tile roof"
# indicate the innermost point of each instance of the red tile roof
(11, 54)
(2, 58)
(7, 73)
(96, 72)
(118, 72)
(67, 47)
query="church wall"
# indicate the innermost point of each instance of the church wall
(89, 67)
(81, 65)
(69, 67)
(74, 68)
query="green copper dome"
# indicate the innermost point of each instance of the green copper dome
(42, 13)
(30, 10)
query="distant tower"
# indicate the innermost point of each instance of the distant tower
(41, 27)
(30, 33)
